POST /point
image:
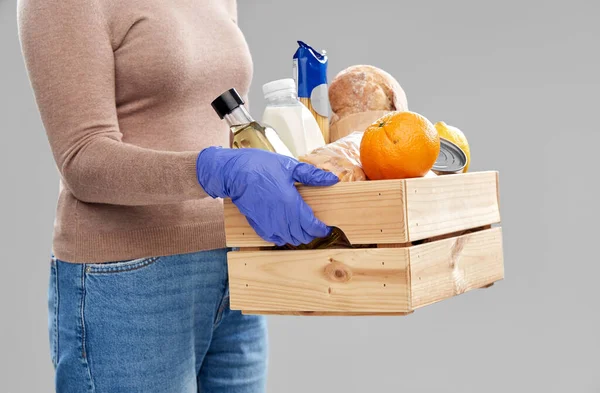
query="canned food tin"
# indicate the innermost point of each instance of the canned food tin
(452, 159)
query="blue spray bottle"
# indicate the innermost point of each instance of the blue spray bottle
(310, 74)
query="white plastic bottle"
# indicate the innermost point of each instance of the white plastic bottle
(292, 121)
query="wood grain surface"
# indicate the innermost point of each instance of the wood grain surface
(446, 268)
(367, 212)
(451, 203)
(350, 280)
(391, 211)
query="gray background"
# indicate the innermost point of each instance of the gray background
(519, 77)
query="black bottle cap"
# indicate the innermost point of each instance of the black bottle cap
(227, 102)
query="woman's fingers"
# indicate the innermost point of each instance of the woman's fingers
(295, 224)
(311, 224)
(312, 176)
(268, 236)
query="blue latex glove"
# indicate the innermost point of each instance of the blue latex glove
(261, 185)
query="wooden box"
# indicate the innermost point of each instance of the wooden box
(424, 239)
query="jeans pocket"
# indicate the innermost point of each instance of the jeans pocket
(53, 312)
(119, 267)
(223, 307)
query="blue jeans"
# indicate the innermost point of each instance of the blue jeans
(152, 325)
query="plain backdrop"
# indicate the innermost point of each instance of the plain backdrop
(520, 78)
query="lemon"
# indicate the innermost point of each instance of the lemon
(456, 136)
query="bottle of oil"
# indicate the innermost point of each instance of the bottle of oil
(245, 131)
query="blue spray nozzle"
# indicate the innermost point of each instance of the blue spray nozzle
(304, 47)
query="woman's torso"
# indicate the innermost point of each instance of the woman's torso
(171, 60)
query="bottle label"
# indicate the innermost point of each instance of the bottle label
(295, 72)
(277, 143)
(319, 99)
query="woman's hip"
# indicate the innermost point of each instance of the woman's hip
(135, 325)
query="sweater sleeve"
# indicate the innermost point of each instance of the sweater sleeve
(69, 58)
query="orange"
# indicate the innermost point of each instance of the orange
(399, 145)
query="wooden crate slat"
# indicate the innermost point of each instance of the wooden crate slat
(445, 268)
(451, 203)
(326, 313)
(331, 280)
(367, 212)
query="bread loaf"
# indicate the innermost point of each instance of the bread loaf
(364, 88)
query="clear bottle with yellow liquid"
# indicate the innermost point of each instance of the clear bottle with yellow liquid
(245, 131)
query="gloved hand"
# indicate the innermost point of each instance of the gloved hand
(261, 185)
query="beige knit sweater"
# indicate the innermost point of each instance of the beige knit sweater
(124, 90)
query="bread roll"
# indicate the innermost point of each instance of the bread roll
(364, 88)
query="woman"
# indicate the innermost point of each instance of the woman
(138, 292)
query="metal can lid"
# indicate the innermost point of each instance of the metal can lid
(452, 159)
